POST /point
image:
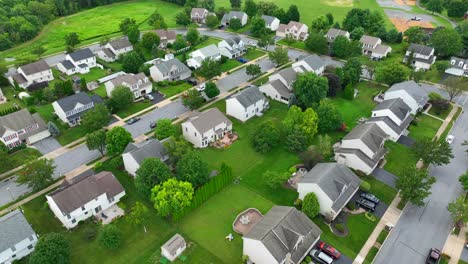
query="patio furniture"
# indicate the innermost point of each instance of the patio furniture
(244, 220)
(104, 216)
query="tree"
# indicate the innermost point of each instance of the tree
(415, 185)
(164, 129)
(455, 86)
(253, 70)
(334, 84)
(447, 42)
(191, 168)
(171, 197)
(343, 48)
(151, 172)
(97, 141)
(133, 34)
(393, 36)
(131, 62)
(435, 6)
(126, 23)
(330, 18)
(370, 21)
(156, 20)
(296, 141)
(266, 137)
(83, 84)
(179, 43)
(250, 8)
(3, 148)
(182, 18)
(192, 99)
(267, 8)
(306, 122)
(193, 36)
(208, 5)
(265, 41)
(72, 39)
(150, 39)
(279, 13)
(320, 24)
(209, 68)
(211, 90)
(311, 205)
(324, 147)
(391, 73)
(38, 51)
(349, 92)
(235, 23)
(139, 214)
(212, 22)
(110, 237)
(463, 179)
(357, 33)
(257, 26)
(275, 179)
(176, 148)
(189, 4)
(235, 3)
(310, 157)
(121, 98)
(456, 9)
(414, 35)
(279, 56)
(95, 118)
(37, 174)
(293, 13)
(459, 210)
(51, 248)
(434, 152)
(329, 118)
(117, 140)
(53, 129)
(310, 89)
(316, 43)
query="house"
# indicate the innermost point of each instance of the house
(205, 127)
(334, 185)
(246, 104)
(362, 148)
(458, 67)
(393, 116)
(311, 63)
(199, 15)
(135, 153)
(22, 127)
(295, 30)
(210, 52)
(166, 37)
(280, 85)
(415, 96)
(70, 109)
(271, 22)
(372, 47)
(422, 57)
(242, 16)
(169, 70)
(232, 47)
(173, 247)
(139, 84)
(17, 238)
(80, 61)
(283, 235)
(333, 33)
(112, 50)
(84, 196)
(32, 73)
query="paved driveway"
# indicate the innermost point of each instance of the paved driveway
(406, 141)
(343, 258)
(47, 145)
(385, 177)
(379, 209)
(73, 159)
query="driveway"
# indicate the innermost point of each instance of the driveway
(47, 145)
(385, 177)
(343, 258)
(392, 13)
(379, 209)
(406, 141)
(73, 159)
(158, 97)
(464, 255)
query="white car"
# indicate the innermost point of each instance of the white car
(201, 87)
(416, 18)
(149, 97)
(450, 139)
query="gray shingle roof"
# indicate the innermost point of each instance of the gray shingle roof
(166, 34)
(248, 96)
(146, 149)
(201, 12)
(174, 243)
(365, 39)
(81, 54)
(268, 19)
(281, 229)
(397, 106)
(231, 14)
(120, 43)
(68, 103)
(208, 119)
(457, 61)
(412, 88)
(314, 61)
(67, 64)
(14, 228)
(369, 134)
(289, 75)
(19, 120)
(233, 40)
(130, 79)
(280, 88)
(390, 123)
(210, 50)
(371, 162)
(420, 49)
(171, 65)
(35, 67)
(19, 78)
(335, 32)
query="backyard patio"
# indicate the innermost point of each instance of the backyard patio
(226, 140)
(246, 220)
(111, 213)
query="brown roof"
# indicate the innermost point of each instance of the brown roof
(35, 67)
(198, 11)
(131, 79)
(19, 78)
(281, 28)
(166, 34)
(73, 195)
(294, 23)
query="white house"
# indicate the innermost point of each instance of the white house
(311, 63)
(393, 116)
(283, 235)
(271, 22)
(112, 50)
(210, 52)
(279, 86)
(334, 185)
(199, 15)
(173, 247)
(135, 153)
(362, 148)
(22, 127)
(169, 70)
(84, 196)
(36, 72)
(333, 33)
(415, 96)
(296, 30)
(166, 37)
(80, 61)
(205, 127)
(422, 57)
(458, 67)
(246, 104)
(139, 84)
(372, 47)
(70, 109)
(232, 47)
(242, 16)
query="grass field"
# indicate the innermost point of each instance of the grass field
(442, 114)
(18, 158)
(398, 158)
(426, 128)
(134, 108)
(172, 90)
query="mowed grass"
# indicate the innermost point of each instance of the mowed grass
(134, 108)
(399, 157)
(171, 90)
(426, 127)
(18, 158)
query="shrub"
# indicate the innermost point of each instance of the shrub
(292, 170)
(298, 204)
(310, 205)
(110, 237)
(340, 227)
(97, 165)
(351, 206)
(371, 217)
(245, 258)
(365, 186)
(349, 92)
(308, 259)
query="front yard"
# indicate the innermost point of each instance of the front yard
(425, 127)
(171, 90)
(18, 158)
(398, 158)
(134, 108)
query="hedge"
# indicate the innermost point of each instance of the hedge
(9, 110)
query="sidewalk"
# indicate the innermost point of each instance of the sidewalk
(447, 121)
(454, 246)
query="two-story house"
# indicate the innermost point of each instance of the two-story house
(232, 47)
(70, 109)
(36, 72)
(169, 70)
(166, 37)
(414, 95)
(293, 29)
(80, 61)
(84, 196)
(280, 85)
(112, 50)
(458, 67)
(362, 148)
(138, 84)
(333, 33)
(199, 15)
(372, 47)
(422, 57)
(246, 104)
(393, 116)
(22, 127)
(311, 63)
(271, 22)
(205, 127)
(242, 16)
(17, 238)
(210, 52)
(135, 153)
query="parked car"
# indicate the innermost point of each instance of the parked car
(201, 87)
(220, 26)
(415, 18)
(192, 81)
(450, 139)
(149, 97)
(153, 124)
(133, 120)
(433, 257)
(370, 197)
(243, 60)
(331, 251)
(361, 202)
(320, 257)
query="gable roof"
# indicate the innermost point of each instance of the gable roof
(418, 93)
(268, 19)
(335, 32)
(170, 65)
(67, 64)
(232, 14)
(35, 67)
(391, 124)
(17, 120)
(397, 106)
(198, 11)
(280, 88)
(281, 229)
(174, 243)
(130, 79)
(166, 34)
(208, 119)
(420, 49)
(365, 39)
(288, 74)
(146, 149)
(248, 96)
(68, 103)
(72, 195)
(295, 24)
(314, 62)
(81, 54)
(370, 134)
(121, 43)
(209, 51)
(235, 40)
(14, 228)
(457, 61)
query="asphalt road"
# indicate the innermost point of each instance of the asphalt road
(392, 13)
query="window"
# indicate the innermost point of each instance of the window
(68, 216)
(73, 220)
(14, 256)
(195, 133)
(30, 246)
(111, 199)
(82, 208)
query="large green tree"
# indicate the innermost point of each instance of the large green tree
(132, 61)
(110, 237)
(139, 214)
(176, 148)
(279, 56)
(274, 180)
(72, 39)
(435, 6)
(96, 118)
(193, 36)
(329, 118)
(209, 68)
(150, 39)
(253, 70)
(117, 140)
(121, 98)
(447, 42)
(133, 34)
(250, 8)
(37, 174)
(414, 185)
(126, 23)
(156, 20)
(459, 210)
(212, 22)
(391, 73)
(51, 248)
(316, 43)
(463, 179)
(293, 13)
(192, 168)
(352, 71)
(266, 137)
(211, 90)
(171, 197)
(414, 35)
(236, 3)
(164, 129)
(192, 99)
(257, 26)
(310, 89)
(434, 152)
(305, 122)
(97, 141)
(151, 172)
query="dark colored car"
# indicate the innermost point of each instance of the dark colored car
(433, 257)
(370, 197)
(361, 202)
(243, 60)
(192, 81)
(331, 251)
(153, 125)
(220, 26)
(133, 120)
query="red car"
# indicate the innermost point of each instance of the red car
(329, 250)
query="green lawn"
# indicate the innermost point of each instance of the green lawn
(8, 92)
(426, 127)
(93, 74)
(371, 255)
(134, 108)
(450, 125)
(101, 91)
(443, 114)
(398, 158)
(229, 65)
(295, 44)
(18, 158)
(382, 236)
(252, 54)
(384, 192)
(172, 90)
